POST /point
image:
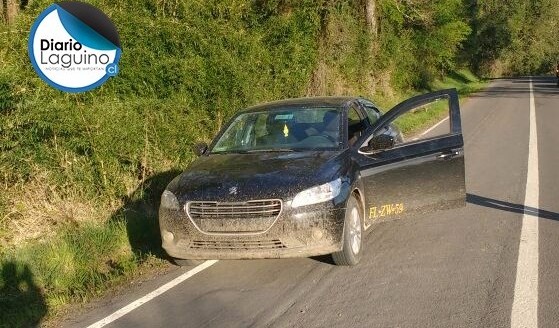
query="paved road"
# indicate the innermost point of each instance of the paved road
(450, 269)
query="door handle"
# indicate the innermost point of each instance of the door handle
(448, 155)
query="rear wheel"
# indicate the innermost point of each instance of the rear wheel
(185, 262)
(353, 236)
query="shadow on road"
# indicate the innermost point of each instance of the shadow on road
(21, 302)
(326, 259)
(140, 213)
(511, 207)
(544, 86)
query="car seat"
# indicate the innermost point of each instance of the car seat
(331, 124)
(279, 131)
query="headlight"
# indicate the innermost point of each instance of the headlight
(169, 201)
(318, 194)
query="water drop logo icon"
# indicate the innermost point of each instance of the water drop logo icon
(74, 46)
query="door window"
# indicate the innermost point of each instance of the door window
(424, 122)
(372, 112)
(355, 125)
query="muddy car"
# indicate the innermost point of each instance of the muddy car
(307, 177)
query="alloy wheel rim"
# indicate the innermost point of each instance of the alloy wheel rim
(355, 231)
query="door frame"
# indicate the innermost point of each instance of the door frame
(418, 101)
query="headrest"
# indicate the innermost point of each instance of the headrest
(330, 121)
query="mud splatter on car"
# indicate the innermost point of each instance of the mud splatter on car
(301, 177)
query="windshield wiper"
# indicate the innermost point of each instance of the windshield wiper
(271, 150)
(249, 151)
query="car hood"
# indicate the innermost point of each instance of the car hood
(241, 177)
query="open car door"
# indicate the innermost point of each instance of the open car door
(413, 172)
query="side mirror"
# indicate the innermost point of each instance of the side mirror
(381, 142)
(200, 148)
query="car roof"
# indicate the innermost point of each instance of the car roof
(301, 102)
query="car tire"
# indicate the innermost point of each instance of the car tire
(352, 244)
(186, 262)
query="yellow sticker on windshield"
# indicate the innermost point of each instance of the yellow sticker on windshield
(285, 130)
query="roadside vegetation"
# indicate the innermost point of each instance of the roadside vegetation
(81, 174)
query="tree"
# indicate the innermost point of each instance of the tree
(9, 9)
(371, 16)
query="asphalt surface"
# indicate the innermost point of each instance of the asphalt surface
(455, 268)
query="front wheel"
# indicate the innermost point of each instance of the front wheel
(353, 236)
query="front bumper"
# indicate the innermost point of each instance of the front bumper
(309, 231)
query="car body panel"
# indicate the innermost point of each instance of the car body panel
(295, 234)
(262, 175)
(418, 176)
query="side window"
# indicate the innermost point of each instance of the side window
(353, 115)
(372, 113)
(428, 121)
(355, 125)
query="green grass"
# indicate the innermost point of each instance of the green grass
(81, 174)
(74, 266)
(417, 121)
(77, 265)
(463, 80)
(82, 261)
(414, 122)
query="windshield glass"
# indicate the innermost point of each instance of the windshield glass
(282, 130)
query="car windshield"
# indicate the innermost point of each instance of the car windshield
(282, 130)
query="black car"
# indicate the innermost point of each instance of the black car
(306, 177)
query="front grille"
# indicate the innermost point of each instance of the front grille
(237, 244)
(234, 217)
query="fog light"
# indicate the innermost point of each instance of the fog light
(317, 234)
(167, 236)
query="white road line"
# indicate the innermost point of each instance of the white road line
(429, 129)
(433, 127)
(525, 304)
(139, 302)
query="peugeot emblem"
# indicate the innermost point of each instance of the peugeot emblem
(233, 190)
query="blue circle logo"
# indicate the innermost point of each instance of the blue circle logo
(74, 46)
